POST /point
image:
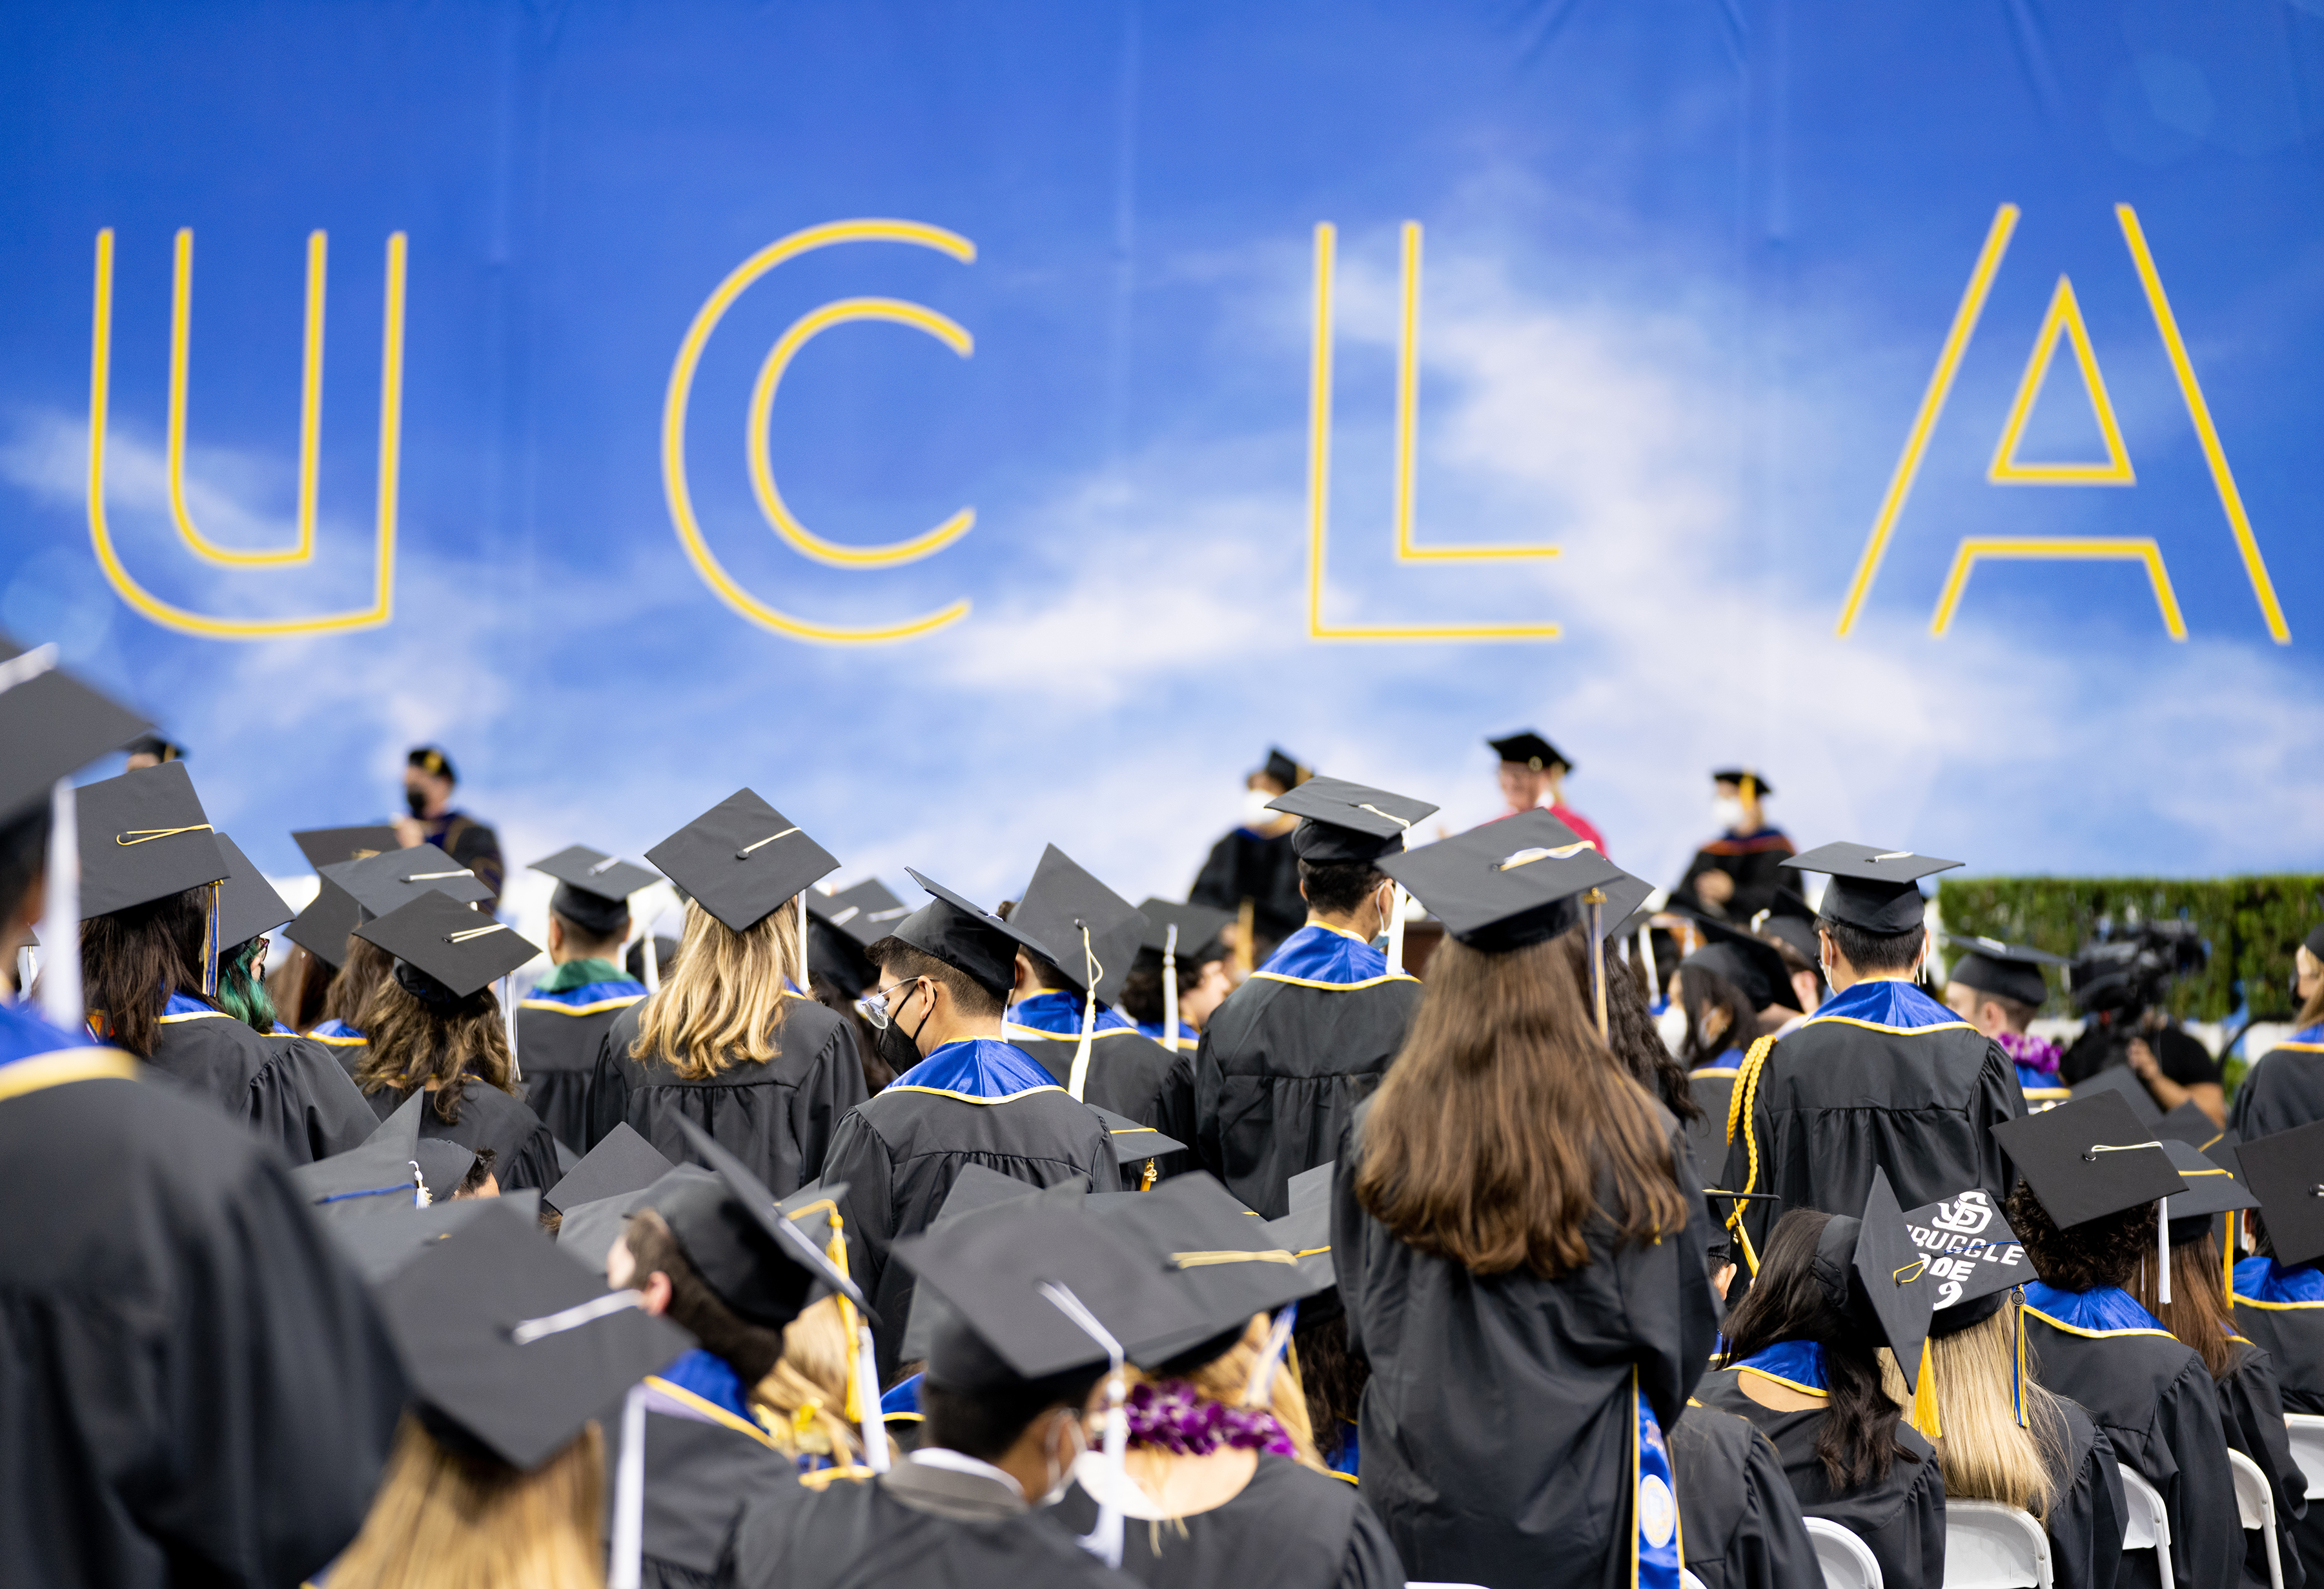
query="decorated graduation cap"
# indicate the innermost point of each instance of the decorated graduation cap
(1744, 778)
(328, 846)
(512, 1346)
(1975, 1258)
(1086, 930)
(1528, 748)
(594, 888)
(52, 724)
(1516, 882)
(2124, 1082)
(758, 1262)
(2088, 1158)
(623, 1161)
(1755, 966)
(143, 836)
(322, 928)
(1224, 1265)
(454, 950)
(383, 883)
(2285, 1173)
(1284, 768)
(742, 859)
(247, 903)
(1199, 929)
(1876, 890)
(967, 937)
(393, 1167)
(1348, 821)
(1877, 1277)
(2009, 971)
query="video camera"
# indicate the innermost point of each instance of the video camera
(2125, 968)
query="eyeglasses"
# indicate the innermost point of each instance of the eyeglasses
(878, 1007)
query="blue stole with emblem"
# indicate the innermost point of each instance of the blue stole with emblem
(2102, 1309)
(1887, 1003)
(1317, 953)
(2263, 1280)
(980, 1067)
(711, 1378)
(1060, 1014)
(1657, 1558)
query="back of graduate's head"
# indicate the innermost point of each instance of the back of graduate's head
(23, 864)
(1986, 1453)
(1504, 1116)
(751, 1350)
(1630, 1029)
(2197, 1312)
(1791, 1300)
(903, 962)
(570, 938)
(1719, 1015)
(1339, 888)
(242, 986)
(2105, 1251)
(366, 966)
(416, 1031)
(723, 1001)
(1869, 952)
(449, 1515)
(132, 961)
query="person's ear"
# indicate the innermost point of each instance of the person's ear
(556, 934)
(653, 1296)
(1303, 889)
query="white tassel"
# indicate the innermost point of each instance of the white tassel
(1079, 1077)
(653, 963)
(1103, 1540)
(59, 928)
(2163, 1250)
(1170, 986)
(627, 1566)
(1396, 933)
(508, 1014)
(1270, 1358)
(867, 1378)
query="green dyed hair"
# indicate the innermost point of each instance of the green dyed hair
(240, 992)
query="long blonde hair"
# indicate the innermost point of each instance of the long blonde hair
(1225, 1378)
(723, 1000)
(808, 1386)
(1984, 1454)
(448, 1519)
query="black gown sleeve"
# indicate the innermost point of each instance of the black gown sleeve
(1771, 1549)
(608, 1098)
(302, 1100)
(2086, 1517)
(1174, 1103)
(859, 1158)
(2207, 1536)
(834, 1085)
(1216, 884)
(1371, 1562)
(2251, 1409)
(1925, 1509)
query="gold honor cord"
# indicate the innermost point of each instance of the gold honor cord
(390, 443)
(679, 495)
(1206, 1260)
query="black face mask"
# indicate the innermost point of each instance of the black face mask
(896, 1051)
(417, 799)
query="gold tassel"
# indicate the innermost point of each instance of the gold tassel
(836, 1251)
(1924, 1396)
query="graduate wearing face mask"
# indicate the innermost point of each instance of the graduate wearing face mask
(429, 781)
(1736, 875)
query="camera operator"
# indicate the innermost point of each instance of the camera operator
(2120, 980)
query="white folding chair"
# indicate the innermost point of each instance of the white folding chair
(2256, 1506)
(1847, 1561)
(2148, 1526)
(2307, 1448)
(1686, 1580)
(1989, 1546)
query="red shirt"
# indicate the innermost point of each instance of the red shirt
(1581, 825)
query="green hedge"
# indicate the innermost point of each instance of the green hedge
(2252, 923)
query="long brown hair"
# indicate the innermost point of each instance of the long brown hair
(409, 1042)
(723, 999)
(2197, 1312)
(445, 1518)
(300, 988)
(1504, 1117)
(361, 974)
(132, 961)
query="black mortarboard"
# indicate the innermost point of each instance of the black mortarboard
(1514, 882)
(1749, 961)
(2286, 1172)
(2012, 970)
(1004, 1329)
(742, 859)
(1132, 1142)
(1879, 1280)
(1973, 1255)
(1877, 890)
(2190, 1124)
(966, 937)
(594, 888)
(1348, 821)
(1284, 768)
(1305, 1233)
(589, 1230)
(866, 912)
(387, 881)
(621, 1161)
(322, 928)
(247, 903)
(2122, 1080)
(327, 846)
(512, 1344)
(1224, 1265)
(143, 836)
(759, 1263)
(377, 1174)
(1311, 1188)
(2211, 1189)
(379, 1246)
(161, 748)
(428, 758)
(2088, 1158)
(1063, 903)
(1199, 927)
(2314, 942)
(52, 724)
(1740, 776)
(1528, 748)
(452, 946)
(977, 1191)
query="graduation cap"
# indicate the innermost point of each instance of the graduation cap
(976, 1192)
(452, 946)
(247, 903)
(143, 836)
(1311, 1188)
(966, 937)
(1743, 777)
(1199, 929)
(327, 846)
(1528, 748)
(2314, 942)
(742, 859)
(2212, 1189)
(589, 1230)
(1880, 1281)
(1348, 821)
(1514, 882)
(2088, 1158)
(2286, 1172)
(511, 1344)
(381, 1244)
(1224, 1265)
(1078, 920)
(623, 1161)
(1974, 1257)
(1133, 1142)
(2011, 971)
(1284, 768)
(389, 1170)
(2122, 1080)
(866, 912)
(322, 928)
(760, 1264)
(594, 888)
(1305, 1233)
(52, 724)
(1755, 966)
(2190, 1124)
(1877, 890)
(385, 882)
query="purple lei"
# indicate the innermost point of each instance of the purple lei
(1172, 1416)
(2029, 1049)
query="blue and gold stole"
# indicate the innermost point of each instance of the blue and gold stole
(2103, 1310)
(1059, 1015)
(1657, 1553)
(35, 1055)
(1798, 1364)
(977, 1070)
(1887, 1006)
(2307, 1039)
(1317, 956)
(337, 1034)
(2265, 1283)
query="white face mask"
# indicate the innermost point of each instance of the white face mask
(1255, 813)
(1727, 811)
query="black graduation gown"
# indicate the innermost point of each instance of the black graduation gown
(1738, 1516)
(1712, 1087)
(556, 1052)
(1290, 1527)
(1281, 1068)
(701, 1472)
(2285, 1088)
(1902, 1517)
(1755, 863)
(524, 1154)
(2251, 1412)
(777, 1118)
(1128, 1073)
(2087, 1513)
(291, 1092)
(195, 1387)
(1836, 1100)
(900, 1153)
(855, 1531)
(2153, 1399)
(2291, 1334)
(1497, 1425)
(1244, 866)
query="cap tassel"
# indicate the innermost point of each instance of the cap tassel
(1396, 933)
(1079, 1077)
(653, 963)
(861, 1407)
(1270, 1358)
(1104, 1539)
(1170, 986)
(2162, 1250)
(805, 977)
(60, 999)
(1924, 1395)
(625, 1567)
(2017, 1381)
(508, 1019)
(1594, 904)
(210, 944)
(2227, 1262)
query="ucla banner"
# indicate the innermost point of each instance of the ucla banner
(979, 426)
